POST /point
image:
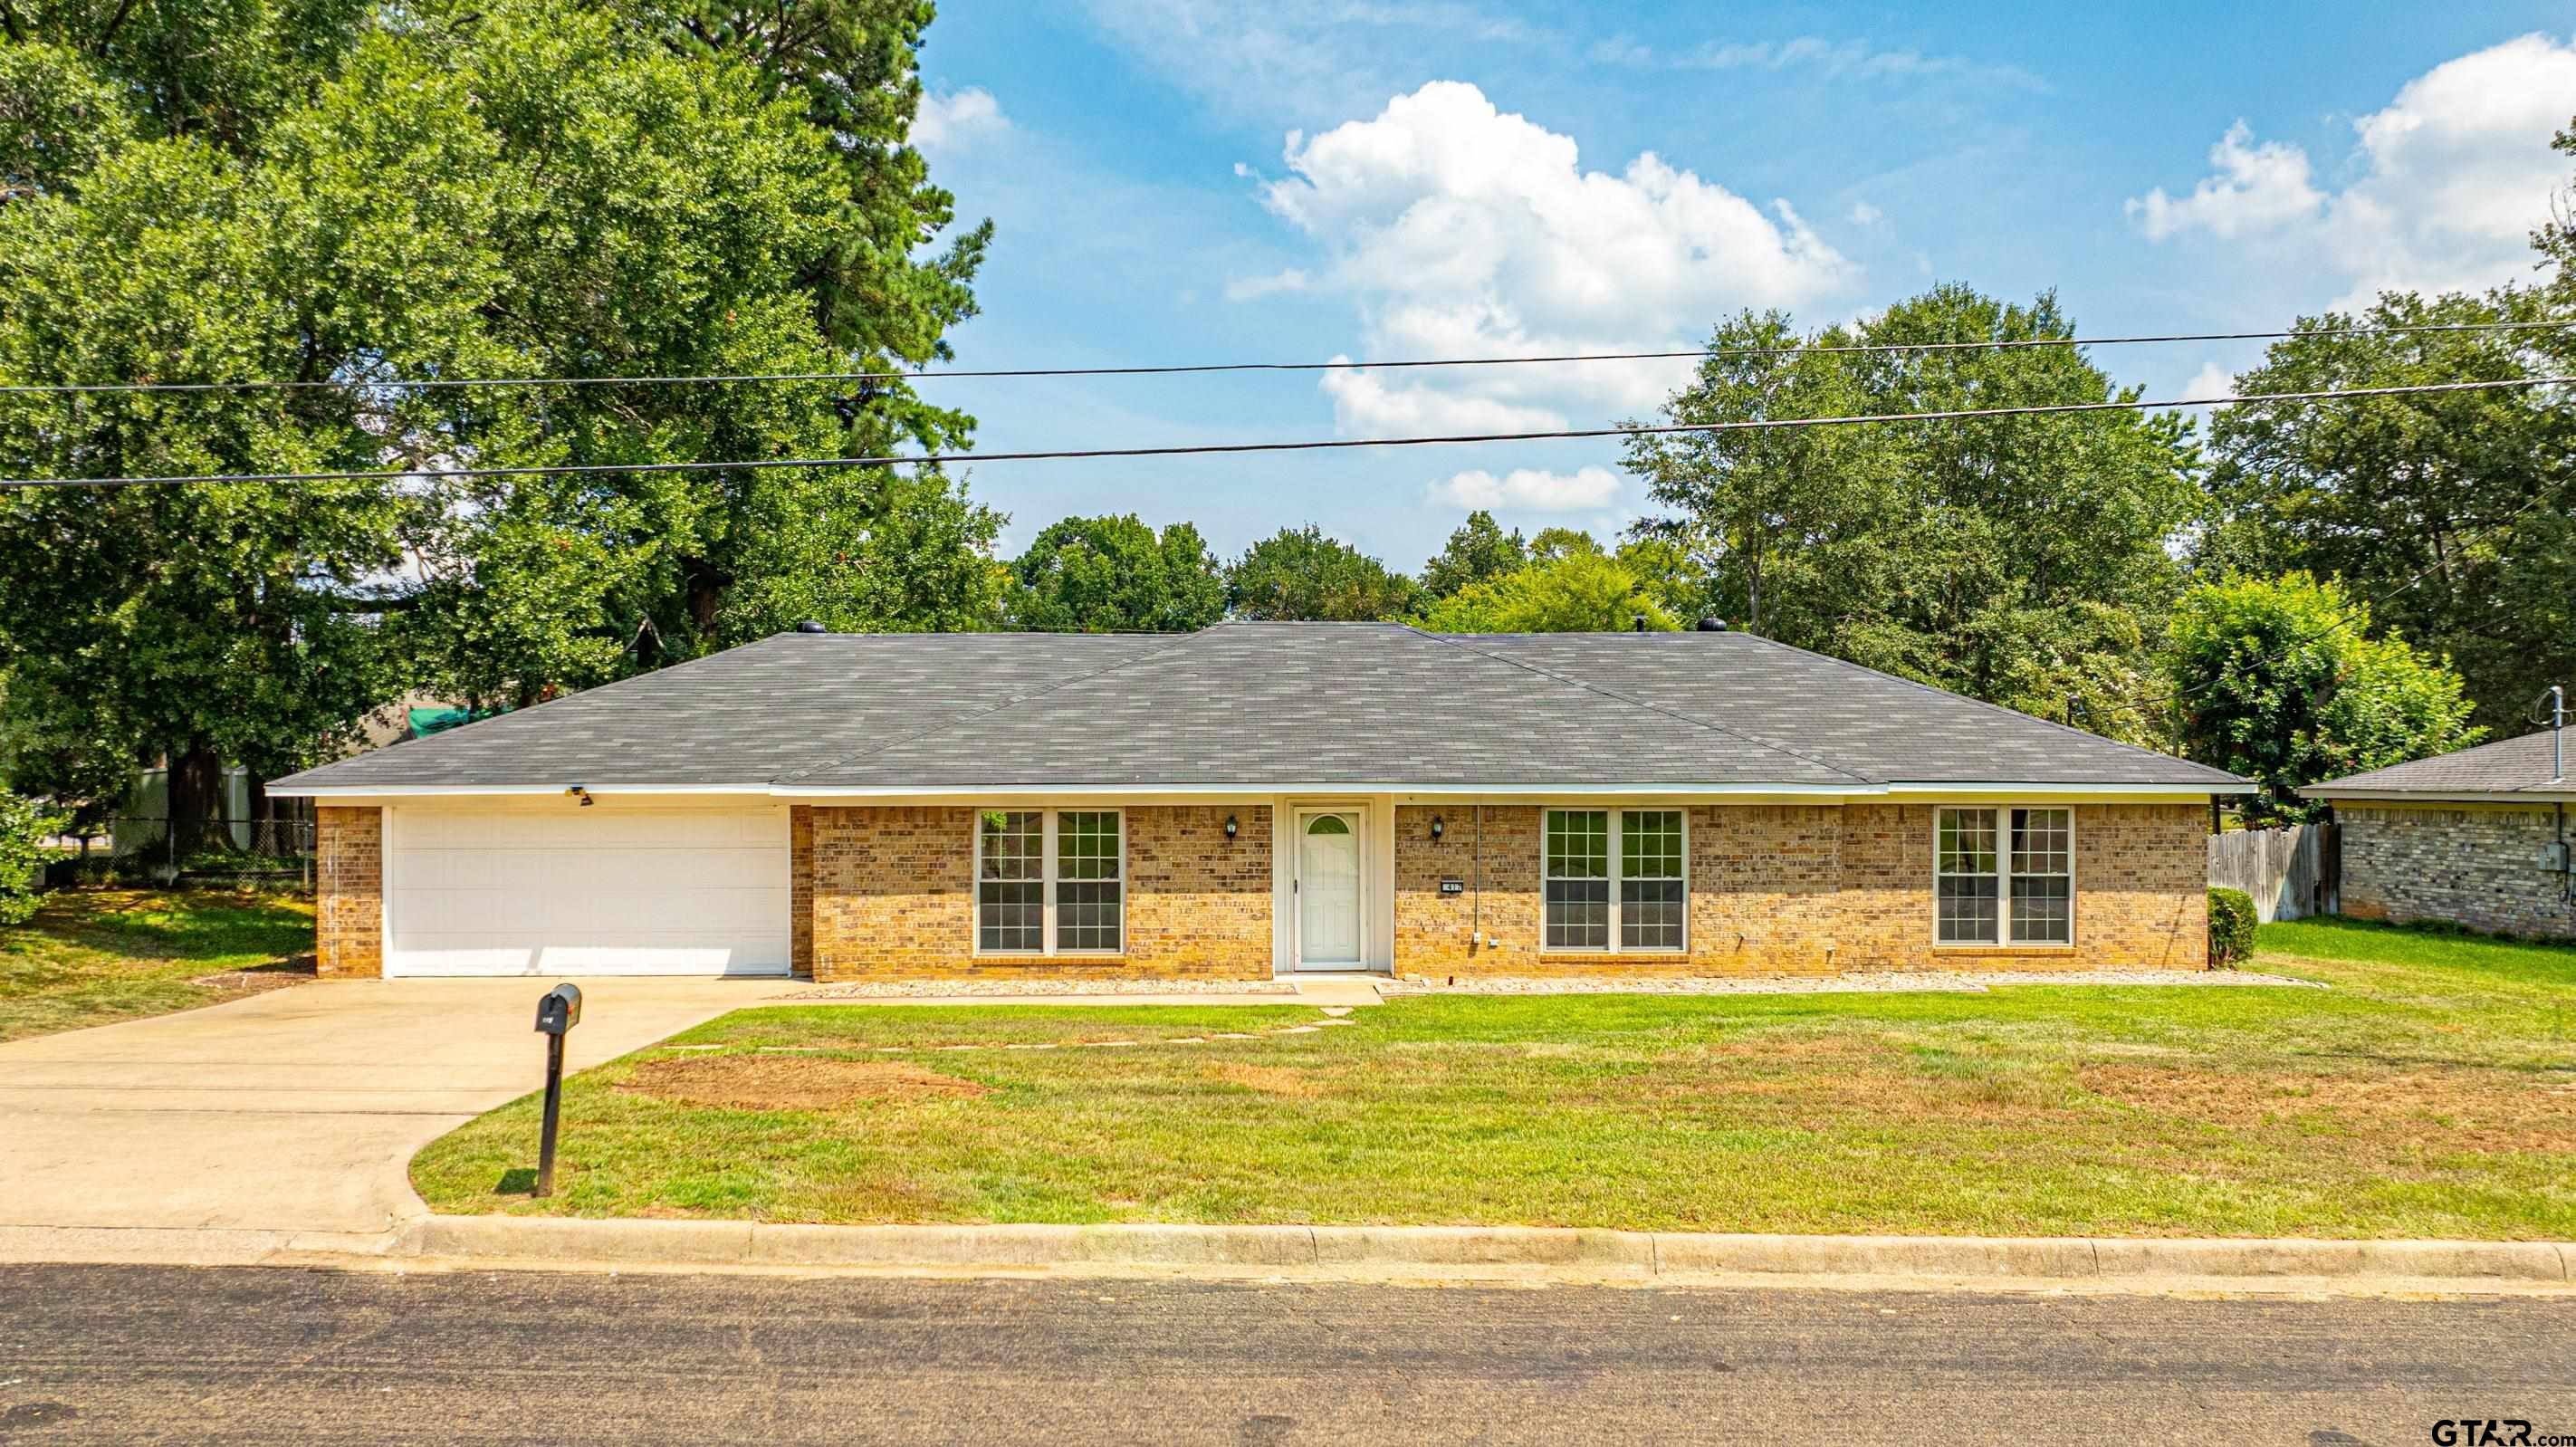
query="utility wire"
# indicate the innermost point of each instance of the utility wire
(423, 384)
(2048, 409)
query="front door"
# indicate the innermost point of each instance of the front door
(1328, 891)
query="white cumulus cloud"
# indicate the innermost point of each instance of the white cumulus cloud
(1530, 489)
(955, 118)
(2253, 188)
(2212, 380)
(2447, 180)
(1364, 405)
(1460, 229)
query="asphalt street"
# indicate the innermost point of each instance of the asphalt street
(151, 1354)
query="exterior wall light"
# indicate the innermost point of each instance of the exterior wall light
(1231, 827)
(1438, 827)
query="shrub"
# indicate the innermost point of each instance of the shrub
(23, 821)
(2231, 927)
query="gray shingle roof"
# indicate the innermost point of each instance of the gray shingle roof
(2507, 766)
(1260, 705)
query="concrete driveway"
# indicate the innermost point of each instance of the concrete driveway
(298, 1110)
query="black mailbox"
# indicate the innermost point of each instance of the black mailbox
(559, 1011)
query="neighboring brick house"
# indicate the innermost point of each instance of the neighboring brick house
(2476, 838)
(1257, 799)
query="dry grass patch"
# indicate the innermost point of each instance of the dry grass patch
(1268, 1079)
(788, 1082)
(2468, 1110)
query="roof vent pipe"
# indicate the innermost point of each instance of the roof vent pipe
(811, 626)
(1712, 625)
(2557, 697)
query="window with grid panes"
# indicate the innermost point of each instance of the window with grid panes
(1614, 879)
(1050, 881)
(1010, 880)
(1087, 886)
(2004, 876)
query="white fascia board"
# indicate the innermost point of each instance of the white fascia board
(2055, 790)
(1323, 790)
(473, 791)
(1410, 791)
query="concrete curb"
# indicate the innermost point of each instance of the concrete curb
(1498, 1252)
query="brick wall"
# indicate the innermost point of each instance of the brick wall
(349, 892)
(2477, 865)
(892, 895)
(2141, 893)
(1803, 889)
(800, 890)
(1431, 928)
(1198, 903)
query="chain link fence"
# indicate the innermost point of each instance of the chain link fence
(140, 848)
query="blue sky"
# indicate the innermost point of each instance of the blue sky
(1207, 180)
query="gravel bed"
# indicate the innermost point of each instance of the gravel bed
(919, 989)
(1971, 982)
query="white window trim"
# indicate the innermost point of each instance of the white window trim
(1047, 948)
(2003, 879)
(1618, 813)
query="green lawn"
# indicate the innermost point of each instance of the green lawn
(95, 956)
(2431, 1092)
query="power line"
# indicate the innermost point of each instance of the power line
(1315, 445)
(425, 384)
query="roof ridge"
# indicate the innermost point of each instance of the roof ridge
(1452, 640)
(1944, 693)
(1012, 702)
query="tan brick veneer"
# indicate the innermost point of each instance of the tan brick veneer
(1803, 889)
(800, 890)
(893, 896)
(349, 893)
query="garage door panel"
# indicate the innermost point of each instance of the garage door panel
(588, 891)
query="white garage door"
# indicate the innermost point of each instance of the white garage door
(586, 891)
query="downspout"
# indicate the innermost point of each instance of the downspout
(1476, 906)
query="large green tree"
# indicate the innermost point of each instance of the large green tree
(345, 193)
(2455, 510)
(2023, 560)
(1302, 574)
(1573, 592)
(1477, 551)
(1116, 575)
(2280, 681)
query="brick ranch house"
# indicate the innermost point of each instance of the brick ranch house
(2475, 838)
(1257, 799)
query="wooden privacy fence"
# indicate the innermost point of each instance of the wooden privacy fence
(2291, 873)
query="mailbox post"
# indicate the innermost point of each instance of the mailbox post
(557, 1013)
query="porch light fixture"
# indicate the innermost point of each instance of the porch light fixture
(1230, 826)
(578, 792)
(1438, 827)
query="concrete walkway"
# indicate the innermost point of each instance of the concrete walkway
(298, 1110)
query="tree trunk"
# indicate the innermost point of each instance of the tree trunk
(706, 584)
(263, 817)
(1753, 594)
(196, 796)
